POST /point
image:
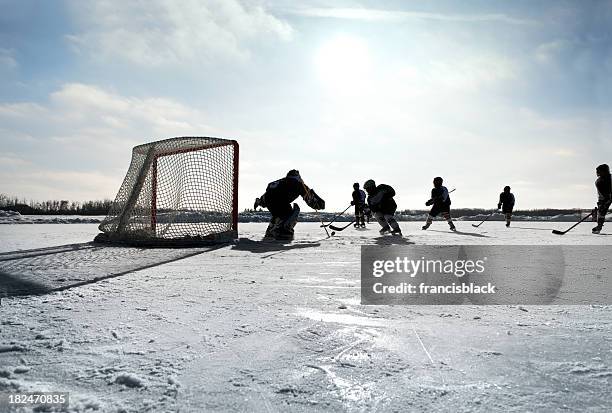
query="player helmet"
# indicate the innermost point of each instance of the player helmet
(603, 169)
(369, 185)
(293, 172)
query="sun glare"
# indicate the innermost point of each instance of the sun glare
(343, 63)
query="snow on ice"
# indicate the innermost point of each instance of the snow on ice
(261, 326)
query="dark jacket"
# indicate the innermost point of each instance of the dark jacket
(604, 188)
(359, 197)
(507, 200)
(381, 199)
(440, 197)
(284, 191)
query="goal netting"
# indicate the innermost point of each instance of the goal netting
(177, 191)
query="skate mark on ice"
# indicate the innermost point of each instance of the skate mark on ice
(422, 345)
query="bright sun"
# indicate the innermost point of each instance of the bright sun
(343, 63)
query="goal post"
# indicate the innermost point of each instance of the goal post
(178, 191)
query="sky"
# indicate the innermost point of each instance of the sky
(482, 93)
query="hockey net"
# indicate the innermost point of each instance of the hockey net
(177, 191)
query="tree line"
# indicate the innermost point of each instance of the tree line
(54, 207)
(101, 207)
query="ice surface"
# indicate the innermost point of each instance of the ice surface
(278, 327)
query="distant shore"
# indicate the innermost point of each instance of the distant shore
(553, 215)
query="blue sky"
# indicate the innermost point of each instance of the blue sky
(483, 93)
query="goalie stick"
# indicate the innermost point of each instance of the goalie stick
(557, 232)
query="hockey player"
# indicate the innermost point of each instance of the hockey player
(604, 195)
(359, 198)
(278, 198)
(441, 202)
(383, 206)
(367, 212)
(506, 204)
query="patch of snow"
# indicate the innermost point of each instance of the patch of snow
(129, 380)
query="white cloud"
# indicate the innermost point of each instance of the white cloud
(78, 145)
(38, 184)
(398, 15)
(550, 51)
(159, 32)
(7, 59)
(473, 72)
(11, 160)
(564, 153)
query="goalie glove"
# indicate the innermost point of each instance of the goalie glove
(429, 202)
(313, 200)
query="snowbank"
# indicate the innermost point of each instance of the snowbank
(12, 217)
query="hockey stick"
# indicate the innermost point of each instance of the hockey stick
(450, 192)
(341, 228)
(483, 221)
(336, 217)
(555, 231)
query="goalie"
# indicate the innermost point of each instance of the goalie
(278, 198)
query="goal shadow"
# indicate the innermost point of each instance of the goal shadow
(46, 270)
(261, 247)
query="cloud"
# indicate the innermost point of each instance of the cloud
(79, 143)
(550, 51)
(564, 153)
(7, 59)
(397, 15)
(37, 184)
(10, 160)
(161, 32)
